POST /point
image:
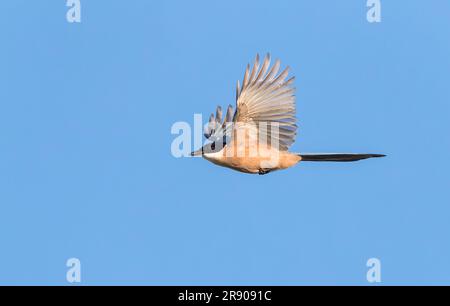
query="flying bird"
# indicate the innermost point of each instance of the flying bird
(255, 138)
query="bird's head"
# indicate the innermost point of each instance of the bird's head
(212, 147)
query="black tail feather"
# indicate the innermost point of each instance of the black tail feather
(337, 157)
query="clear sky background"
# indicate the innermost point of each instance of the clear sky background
(86, 169)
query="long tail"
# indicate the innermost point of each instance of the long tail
(336, 157)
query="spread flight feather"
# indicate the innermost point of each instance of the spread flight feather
(265, 97)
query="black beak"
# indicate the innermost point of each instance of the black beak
(199, 152)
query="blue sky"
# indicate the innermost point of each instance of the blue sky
(86, 168)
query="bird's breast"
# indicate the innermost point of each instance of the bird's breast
(264, 159)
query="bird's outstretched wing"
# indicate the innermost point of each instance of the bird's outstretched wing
(267, 97)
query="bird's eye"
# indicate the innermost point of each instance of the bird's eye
(213, 146)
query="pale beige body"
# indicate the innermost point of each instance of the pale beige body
(263, 160)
